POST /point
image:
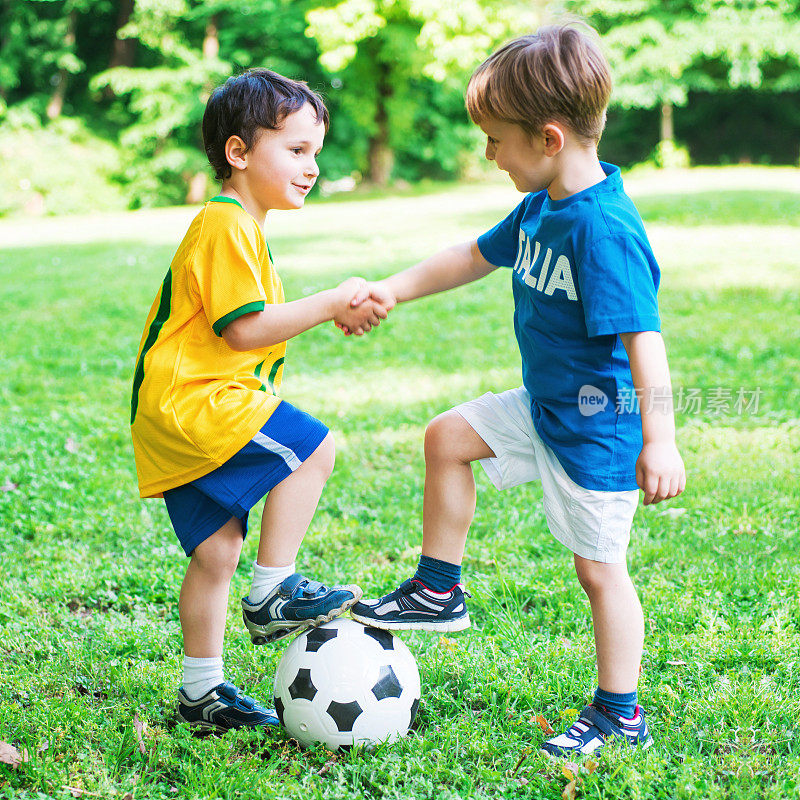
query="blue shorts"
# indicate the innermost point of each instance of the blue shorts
(203, 506)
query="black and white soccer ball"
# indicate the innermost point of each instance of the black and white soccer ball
(344, 684)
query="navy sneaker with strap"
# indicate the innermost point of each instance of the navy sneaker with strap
(413, 606)
(593, 727)
(293, 606)
(222, 709)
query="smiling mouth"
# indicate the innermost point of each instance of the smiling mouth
(304, 189)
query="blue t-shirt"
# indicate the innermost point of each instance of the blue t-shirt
(583, 271)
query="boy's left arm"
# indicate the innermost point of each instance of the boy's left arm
(659, 469)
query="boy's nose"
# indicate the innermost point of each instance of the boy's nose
(489, 153)
(313, 170)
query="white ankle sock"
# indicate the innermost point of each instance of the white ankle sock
(265, 579)
(201, 675)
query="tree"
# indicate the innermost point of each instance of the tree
(394, 58)
(39, 51)
(661, 51)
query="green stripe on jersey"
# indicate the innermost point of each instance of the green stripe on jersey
(273, 372)
(248, 308)
(155, 328)
(220, 198)
(257, 373)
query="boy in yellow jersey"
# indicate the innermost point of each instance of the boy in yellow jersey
(210, 434)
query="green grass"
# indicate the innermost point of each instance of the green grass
(90, 574)
(722, 208)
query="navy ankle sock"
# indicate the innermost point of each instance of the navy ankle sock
(623, 705)
(438, 576)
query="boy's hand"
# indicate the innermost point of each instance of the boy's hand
(355, 313)
(360, 320)
(379, 293)
(660, 472)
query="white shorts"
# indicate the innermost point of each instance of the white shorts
(593, 524)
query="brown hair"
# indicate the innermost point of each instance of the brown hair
(246, 103)
(556, 74)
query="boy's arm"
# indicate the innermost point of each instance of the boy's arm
(454, 266)
(659, 469)
(451, 267)
(282, 321)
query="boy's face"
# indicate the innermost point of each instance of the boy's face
(281, 167)
(525, 158)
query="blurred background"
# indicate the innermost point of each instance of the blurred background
(101, 100)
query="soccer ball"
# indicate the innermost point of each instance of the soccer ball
(344, 683)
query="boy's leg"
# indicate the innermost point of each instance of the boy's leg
(280, 601)
(448, 506)
(619, 638)
(206, 700)
(203, 600)
(434, 598)
(618, 623)
(291, 505)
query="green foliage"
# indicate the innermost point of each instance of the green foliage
(393, 73)
(165, 102)
(669, 155)
(403, 65)
(659, 51)
(91, 575)
(64, 167)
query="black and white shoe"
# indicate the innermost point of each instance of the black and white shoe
(222, 709)
(413, 606)
(593, 727)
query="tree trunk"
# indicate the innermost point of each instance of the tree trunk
(123, 50)
(667, 123)
(381, 155)
(197, 188)
(197, 184)
(56, 104)
(211, 40)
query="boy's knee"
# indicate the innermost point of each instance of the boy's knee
(596, 576)
(324, 457)
(441, 435)
(219, 554)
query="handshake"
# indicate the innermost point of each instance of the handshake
(360, 306)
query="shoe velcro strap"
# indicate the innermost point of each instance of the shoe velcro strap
(594, 716)
(312, 587)
(228, 691)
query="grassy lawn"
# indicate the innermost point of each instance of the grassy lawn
(90, 574)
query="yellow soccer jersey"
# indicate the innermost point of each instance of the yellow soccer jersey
(196, 402)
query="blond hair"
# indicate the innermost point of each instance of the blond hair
(556, 74)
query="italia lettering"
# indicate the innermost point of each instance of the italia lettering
(544, 279)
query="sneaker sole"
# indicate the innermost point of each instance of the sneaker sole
(576, 753)
(210, 727)
(449, 626)
(259, 636)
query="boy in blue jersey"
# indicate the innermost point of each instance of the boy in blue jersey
(586, 319)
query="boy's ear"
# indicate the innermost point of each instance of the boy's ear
(236, 152)
(554, 138)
